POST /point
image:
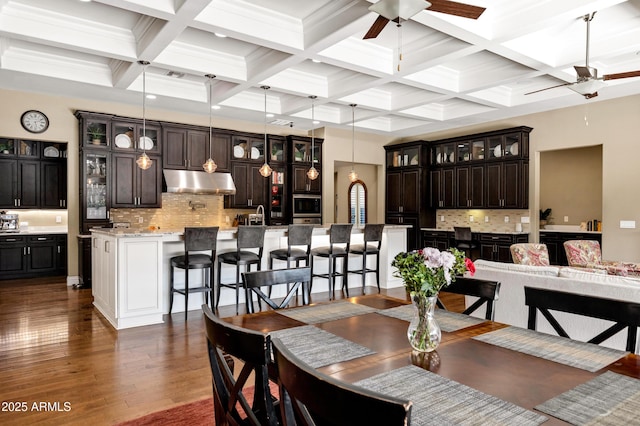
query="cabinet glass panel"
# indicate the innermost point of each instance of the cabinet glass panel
(277, 150)
(411, 156)
(446, 154)
(28, 149)
(277, 193)
(394, 158)
(124, 136)
(301, 151)
(258, 149)
(477, 149)
(96, 185)
(512, 146)
(151, 141)
(95, 133)
(7, 146)
(495, 146)
(54, 150)
(464, 152)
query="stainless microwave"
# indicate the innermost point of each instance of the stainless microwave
(307, 205)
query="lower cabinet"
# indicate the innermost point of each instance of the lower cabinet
(27, 256)
(439, 239)
(555, 243)
(497, 246)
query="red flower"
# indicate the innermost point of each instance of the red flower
(470, 266)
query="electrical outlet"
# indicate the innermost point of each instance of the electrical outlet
(506, 219)
(566, 218)
(525, 219)
(486, 218)
(441, 218)
(140, 219)
(470, 218)
(58, 219)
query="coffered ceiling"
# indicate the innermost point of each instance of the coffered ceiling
(454, 71)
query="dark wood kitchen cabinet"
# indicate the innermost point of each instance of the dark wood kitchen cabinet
(187, 148)
(504, 183)
(438, 239)
(132, 186)
(25, 256)
(555, 243)
(300, 157)
(406, 185)
(20, 173)
(497, 246)
(470, 186)
(441, 188)
(53, 183)
(251, 186)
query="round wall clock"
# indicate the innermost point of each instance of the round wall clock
(34, 121)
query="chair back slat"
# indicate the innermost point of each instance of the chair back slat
(624, 314)
(487, 292)
(309, 397)
(299, 277)
(253, 349)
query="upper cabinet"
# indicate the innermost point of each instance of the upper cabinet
(188, 147)
(248, 148)
(33, 174)
(400, 156)
(301, 151)
(133, 135)
(486, 170)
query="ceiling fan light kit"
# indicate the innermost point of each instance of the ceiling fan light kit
(393, 9)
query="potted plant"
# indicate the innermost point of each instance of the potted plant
(544, 217)
(95, 132)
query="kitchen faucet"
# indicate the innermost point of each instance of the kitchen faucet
(260, 211)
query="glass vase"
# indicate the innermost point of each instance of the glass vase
(424, 332)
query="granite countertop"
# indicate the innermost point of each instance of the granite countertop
(479, 232)
(31, 230)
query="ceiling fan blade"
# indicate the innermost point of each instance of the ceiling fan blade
(455, 8)
(621, 75)
(547, 88)
(376, 28)
(583, 72)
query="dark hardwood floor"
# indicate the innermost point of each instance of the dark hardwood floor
(62, 363)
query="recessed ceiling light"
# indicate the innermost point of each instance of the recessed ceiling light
(316, 122)
(151, 96)
(85, 1)
(269, 115)
(220, 35)
(216, 107)
(317, 61)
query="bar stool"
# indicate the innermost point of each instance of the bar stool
(297, 236)
(339, 240)
(249, 238)
(371, 246)
(462, 235)
(195, 239)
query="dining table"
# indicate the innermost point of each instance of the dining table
(483, 372)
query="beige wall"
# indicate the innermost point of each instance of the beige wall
(368, 174)
(581, 199)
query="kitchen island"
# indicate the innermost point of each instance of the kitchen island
(131, 269)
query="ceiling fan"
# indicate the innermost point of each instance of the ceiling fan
(588, 82)
(396, 10)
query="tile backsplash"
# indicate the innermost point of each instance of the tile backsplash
(495, 221)
(178, 211)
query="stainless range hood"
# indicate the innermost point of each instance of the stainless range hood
(192, 182)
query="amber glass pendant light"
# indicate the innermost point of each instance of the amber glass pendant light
(210, 166)
(144, 162)
(312, 173)
(265, 170)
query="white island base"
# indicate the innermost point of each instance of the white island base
(131, 270)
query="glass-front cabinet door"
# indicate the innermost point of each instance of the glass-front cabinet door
(403, 157)
(505, 146)
(277, 209)
(248, 148)
(444, 154)
(131, 136)
(95, 132)
(95, 186)
(277, 151)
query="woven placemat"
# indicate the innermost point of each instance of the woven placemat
(609, 399)
(448, 321)
(586, 356)
(318, 347)
(441, 401)
(326, 312)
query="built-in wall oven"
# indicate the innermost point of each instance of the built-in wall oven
(307, 208)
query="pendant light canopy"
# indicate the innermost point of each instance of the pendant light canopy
(353, 176)
(312, 173)
(210, 166)
(265, 170)
(144, 162)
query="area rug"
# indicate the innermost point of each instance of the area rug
(198, 413)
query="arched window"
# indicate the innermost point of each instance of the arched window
(358, 203)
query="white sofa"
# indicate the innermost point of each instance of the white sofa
(510, 308)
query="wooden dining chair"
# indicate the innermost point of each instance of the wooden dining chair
(309, 397)
(299, 277)
(624, 314)
(252, 349)
(486, 292)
